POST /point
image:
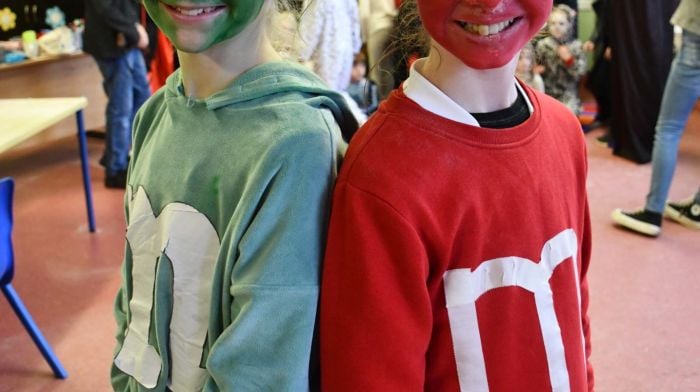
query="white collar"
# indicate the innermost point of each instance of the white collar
(421, 91)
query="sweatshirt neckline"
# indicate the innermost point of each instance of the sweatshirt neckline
(406, 108)
(259, 80)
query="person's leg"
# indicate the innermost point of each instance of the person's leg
(117, 85)
(680, 95)
(141, 87)
(106, 67)
(599, 85)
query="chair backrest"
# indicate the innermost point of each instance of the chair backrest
(7, 187)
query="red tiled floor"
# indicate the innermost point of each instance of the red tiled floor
(643, 291)
(65, 276)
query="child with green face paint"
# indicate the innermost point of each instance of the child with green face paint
(227, 203)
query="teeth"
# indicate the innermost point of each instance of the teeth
(195, 11)
(485, 30)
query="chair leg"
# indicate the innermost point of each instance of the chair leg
(33, 330)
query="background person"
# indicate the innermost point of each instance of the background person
(114, 38)
(680, 96)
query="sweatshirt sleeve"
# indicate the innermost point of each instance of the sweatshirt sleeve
(113, 13)
(585, 262)
(375, 317)
(119, 379)
(311, 29)
(267, 346)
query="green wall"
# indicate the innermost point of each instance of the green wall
(586, 24)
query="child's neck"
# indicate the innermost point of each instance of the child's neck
(476, 91)
(209, 72)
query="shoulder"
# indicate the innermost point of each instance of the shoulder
(392, 134)
(546, 43)
(154, 104)
(295, 134)
(558, 121)
(294, 116)
(147, 118)
(554, 110)
(576, 44)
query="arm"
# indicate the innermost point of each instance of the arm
(382, 13)
(573, 58)
(355, 26)
(267, 346)
(580, 60)
(119, 379)
(376, 316)
(112, 13)
(585, 262)
(311, 28)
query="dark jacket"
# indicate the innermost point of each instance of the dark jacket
(104, 19)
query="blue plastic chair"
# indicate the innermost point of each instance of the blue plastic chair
(7, 187)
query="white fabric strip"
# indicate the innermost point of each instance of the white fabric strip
(192, 247)
(464, 286)
(136, 357)
(191, 244)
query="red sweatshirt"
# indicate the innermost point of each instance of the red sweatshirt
(457, 256)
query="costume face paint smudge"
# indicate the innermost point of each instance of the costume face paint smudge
(196, 25)
(483, 34)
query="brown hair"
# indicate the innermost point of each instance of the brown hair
(408, 35)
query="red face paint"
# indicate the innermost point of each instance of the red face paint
(483, 34)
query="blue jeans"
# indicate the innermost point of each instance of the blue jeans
(126, 86)
(680, 95)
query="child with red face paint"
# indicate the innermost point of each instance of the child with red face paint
(459, 241)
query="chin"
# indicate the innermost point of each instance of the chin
(482, 57)
(485, 62)
(191, 44)
(189, 49)
(484, 65)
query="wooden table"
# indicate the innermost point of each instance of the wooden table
(23, 118)
(73, 75)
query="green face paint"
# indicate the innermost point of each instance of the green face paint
(202, 23)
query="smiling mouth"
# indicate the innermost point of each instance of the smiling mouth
(486, 30)
(195, 11)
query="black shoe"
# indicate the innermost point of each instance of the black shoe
(117, 181)
(606, 140)
(685, 212)
(641, 221)
(103, 160)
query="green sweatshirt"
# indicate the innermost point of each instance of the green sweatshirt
(227, 205)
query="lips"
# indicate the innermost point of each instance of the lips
(487, 30)
(194, 11)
